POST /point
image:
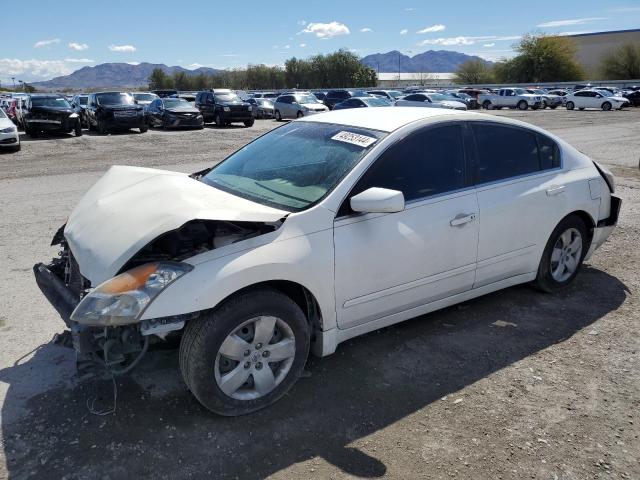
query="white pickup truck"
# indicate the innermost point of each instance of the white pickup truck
(510, 98)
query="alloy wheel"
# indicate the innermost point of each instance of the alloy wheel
(566, 255)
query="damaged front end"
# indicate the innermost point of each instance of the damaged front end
(104, 321)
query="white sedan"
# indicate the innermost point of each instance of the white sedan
(321, 230)
(9, 137)
(594, 99)
(427, 99)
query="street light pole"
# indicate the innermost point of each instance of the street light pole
(14, 82)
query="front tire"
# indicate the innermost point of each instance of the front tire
(570, 105)
(562, 257)
(606, 106)
(278, 116)
(486, 105)
(218, 120)
(249, 123)
(78, 128)
(247, 353)
(143, 129)
(523, 105)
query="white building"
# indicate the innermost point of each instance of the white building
(396, 79)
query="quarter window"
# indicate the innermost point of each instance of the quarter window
(425, 163)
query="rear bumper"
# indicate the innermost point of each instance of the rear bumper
(604, 228)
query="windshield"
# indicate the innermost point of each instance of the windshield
(376, 102)
(306, 99)
(59, 102)
(227, 97)
(438, 97)
(519, 91)
(83, 100)
(176, 103)
(145, 97)
(114, 99)
(605, 93)
(293, 166)
(271, 95)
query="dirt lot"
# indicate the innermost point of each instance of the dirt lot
(514, 385)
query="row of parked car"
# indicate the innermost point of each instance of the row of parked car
(106, 111)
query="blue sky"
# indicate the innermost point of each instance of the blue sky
(49, 38)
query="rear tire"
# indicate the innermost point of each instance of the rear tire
(101, 128)
(523, 105)
(544, 104)
(486, 105)
(299, 114)
(570, 105)
(218, 120)
(78, 129)
(278, 116)
(249, 123)
(553, 107)
(235, 323)
(143, 129)
(562, 257)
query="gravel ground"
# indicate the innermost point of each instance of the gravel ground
(514, 385)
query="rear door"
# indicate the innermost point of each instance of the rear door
(515, 172)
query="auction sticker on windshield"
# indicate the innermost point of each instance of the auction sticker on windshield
(354, 138)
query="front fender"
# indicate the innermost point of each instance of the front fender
(306, 260)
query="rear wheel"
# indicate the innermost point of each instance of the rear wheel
(143, 129)
(247, 353)
(218, 120)
(606, 106)
(563, 255)
(249, 123)
(101, 127)
(523, 105)
(278, 116)
(553, 107)
(299, 114)
(544, 104)
(78, 128)
(570, 105)
(486, 105)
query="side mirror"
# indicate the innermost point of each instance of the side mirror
(378, 200)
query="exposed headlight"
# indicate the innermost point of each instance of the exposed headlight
(8, 130)
(226, 109)
(250, 108)
(73, 115)
(122, 299)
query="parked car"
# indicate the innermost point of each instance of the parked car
(337, 96)
(321, 230)
(167, 92)
(296, 105)
(10, 109)
(79, 103)
(391, 95)
(473, 93)
(432, 100)
(262, 107)
(468, 100)
(548, 99)
(171, 112)
(562, 93)
(9, 137)
(360, 102)
(633, 97)
(144, 98)
(107, 111)
(319, 94)
(510, 98)
(595, 99)
(48, 113)
(222, 106)
(273, 95)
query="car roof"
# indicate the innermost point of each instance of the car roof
(382, 118)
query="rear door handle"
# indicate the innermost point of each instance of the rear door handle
(462, 218)
(555, 190)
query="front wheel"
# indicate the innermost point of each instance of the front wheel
(101, 128)
(522, 105)
(570, 105)
(247, 353)
(563, 255)
(606, 106)
(299, 114)
(553, 107)
(249, 123)
(78, 128)
(544, 104)
(218, 120)
(143, 129)
(486, 105)
(278, 116)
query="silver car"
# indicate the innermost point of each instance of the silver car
(296, 105)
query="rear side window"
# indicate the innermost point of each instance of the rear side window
(505, 152)
(425, 163)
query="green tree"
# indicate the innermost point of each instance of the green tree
(541, 58)
(473, 72)
(623, 63)
(158, 80)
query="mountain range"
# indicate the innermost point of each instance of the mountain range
(125, 75)
(434, 61)
(114, 75)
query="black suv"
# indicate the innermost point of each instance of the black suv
(49, 113)
(223, 107)
(114, 110)
(334, 97)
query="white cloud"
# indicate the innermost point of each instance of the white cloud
(32, 70)
(79, 60)
(302, 45)
(194, 65)
(78, 47)
(365, 30)
(404, 31)
(122, 48)
(287, 47)
(448, 41)
(574, 21)
(489, 45)
(302, 23)
(327, 30)
(408, 9)
(46, 43)
(433, 28)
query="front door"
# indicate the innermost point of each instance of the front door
(388, 263)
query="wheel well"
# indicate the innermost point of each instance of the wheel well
(587, 219)
(296, 292)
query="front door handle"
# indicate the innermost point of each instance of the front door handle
(555, 190)
(462, 218)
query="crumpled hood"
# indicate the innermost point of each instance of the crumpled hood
(131, 206)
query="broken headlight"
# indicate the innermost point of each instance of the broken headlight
(122, 299)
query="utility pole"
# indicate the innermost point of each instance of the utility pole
(14, 82)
